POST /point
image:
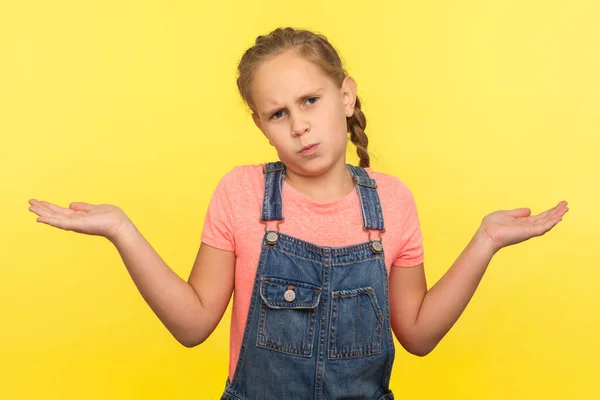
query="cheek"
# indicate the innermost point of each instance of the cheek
(273, 131)
(279, 136)
(335, 118)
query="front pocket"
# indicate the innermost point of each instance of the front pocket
(356, 324)
(288, 314)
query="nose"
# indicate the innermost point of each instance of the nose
(300, 125)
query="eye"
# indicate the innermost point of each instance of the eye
(312, 100)
(277, 115)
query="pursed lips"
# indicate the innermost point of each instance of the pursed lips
(308, 148)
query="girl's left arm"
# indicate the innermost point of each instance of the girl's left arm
(421, 318)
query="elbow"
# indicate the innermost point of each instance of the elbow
(190, 341)
(419, 348)
(420, 352)
(415, 342)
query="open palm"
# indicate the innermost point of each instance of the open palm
(507, 227)
(102, 220)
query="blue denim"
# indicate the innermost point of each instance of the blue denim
(318, 325)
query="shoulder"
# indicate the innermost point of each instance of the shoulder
(242, 176)
(389, 184)
(241, 188)
(397, 201)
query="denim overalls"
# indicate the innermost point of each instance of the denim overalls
(318, 325)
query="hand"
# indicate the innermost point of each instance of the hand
(100, 220)
(507, 227)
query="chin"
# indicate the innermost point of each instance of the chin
(308, 167)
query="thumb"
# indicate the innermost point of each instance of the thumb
(79, 206)
(519, 212)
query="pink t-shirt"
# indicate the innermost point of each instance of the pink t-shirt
(232, 223)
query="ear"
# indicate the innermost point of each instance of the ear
(259, 125)
(256, 121)
(349, 95)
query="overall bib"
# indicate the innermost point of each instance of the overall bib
(318, 325)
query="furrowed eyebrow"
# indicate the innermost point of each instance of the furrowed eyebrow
(310, 94)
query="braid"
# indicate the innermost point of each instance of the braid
(356, 126)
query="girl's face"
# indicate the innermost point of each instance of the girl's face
(303, 113)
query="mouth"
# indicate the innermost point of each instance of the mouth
(310, 149)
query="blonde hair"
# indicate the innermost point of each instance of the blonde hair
(315, 48)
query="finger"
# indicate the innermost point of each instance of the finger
(561, 213)
(56, 209)
(557, 213)
(519, 212)
(545, 224)
(41, 211)
(559, 208)
(56, 222)
(80, 206)
(563, 206)
(36, 203)
(536, 219)
(548, 217)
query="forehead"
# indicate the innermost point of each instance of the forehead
(285, 77)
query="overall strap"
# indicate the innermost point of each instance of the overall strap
(366, 187)
(372, 215)
(272, 209)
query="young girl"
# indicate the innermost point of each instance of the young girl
(326, 258)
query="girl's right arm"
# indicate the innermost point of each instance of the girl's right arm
(189, 310)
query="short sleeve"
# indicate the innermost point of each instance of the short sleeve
(411, 251)
(218, 224)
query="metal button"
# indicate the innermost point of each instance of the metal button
(272, 237)
(289, 295)
(377, 246)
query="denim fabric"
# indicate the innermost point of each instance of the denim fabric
(318, 325)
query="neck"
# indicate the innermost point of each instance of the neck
(329, 186)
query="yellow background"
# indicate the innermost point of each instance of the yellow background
(475, 105)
